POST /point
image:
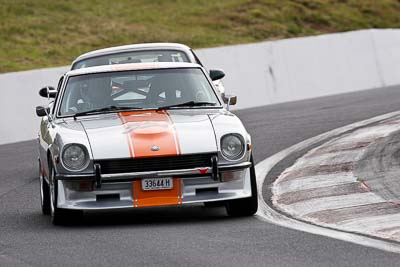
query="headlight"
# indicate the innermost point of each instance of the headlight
(232, 146)
(75, 157)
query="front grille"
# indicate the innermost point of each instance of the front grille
(155, 163)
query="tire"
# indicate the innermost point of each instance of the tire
(246, 206)
(44, 193)
(60, 216)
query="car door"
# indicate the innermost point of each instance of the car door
(47, 131)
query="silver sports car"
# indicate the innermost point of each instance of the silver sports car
(142, 135)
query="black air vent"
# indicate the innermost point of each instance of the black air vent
(155, 163)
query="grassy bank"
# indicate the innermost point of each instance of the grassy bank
(45, 33)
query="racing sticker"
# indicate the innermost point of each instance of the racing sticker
(151, 133)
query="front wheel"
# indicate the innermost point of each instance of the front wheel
(246, 206)
(60, 216)
(44, 193)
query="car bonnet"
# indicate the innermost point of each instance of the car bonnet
(149, 133)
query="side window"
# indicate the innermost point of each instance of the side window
(58, 92)
(60, 83)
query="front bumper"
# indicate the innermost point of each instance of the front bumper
(117, 191)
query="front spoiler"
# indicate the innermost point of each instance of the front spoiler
(194, 190)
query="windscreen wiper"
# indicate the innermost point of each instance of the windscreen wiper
(187, 104)
(99, 110)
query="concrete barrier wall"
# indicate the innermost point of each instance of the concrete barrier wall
(259, 74)
(387, 54)
(300, 68)
(18, 99)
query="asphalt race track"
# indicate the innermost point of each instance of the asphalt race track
(188, 236)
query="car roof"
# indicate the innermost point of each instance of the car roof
(128, 48)
(132, 66)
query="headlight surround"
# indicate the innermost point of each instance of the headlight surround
(75, 157)
(232, 146)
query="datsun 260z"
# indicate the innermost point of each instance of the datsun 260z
(142, 135)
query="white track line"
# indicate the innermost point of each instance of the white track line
(268, 214)
(313, 182)
(330, 203)
(329, 158)
(372, 223)
(375, 131)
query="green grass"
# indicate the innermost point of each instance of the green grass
(46, 33)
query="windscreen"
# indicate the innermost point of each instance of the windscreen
(138, 89)
(134, 57)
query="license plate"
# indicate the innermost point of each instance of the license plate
(157, 184)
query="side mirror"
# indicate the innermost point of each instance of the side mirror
(48, 92)
(216, 74)
(229, 100)
(42, 111)
(232, 100)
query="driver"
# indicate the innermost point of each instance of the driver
(95, 93)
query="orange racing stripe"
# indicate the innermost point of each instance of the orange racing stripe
(146, 129)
